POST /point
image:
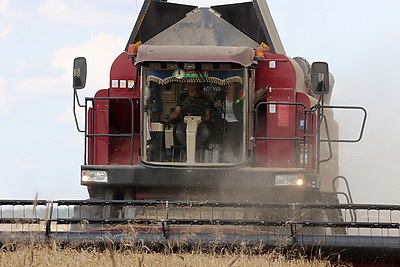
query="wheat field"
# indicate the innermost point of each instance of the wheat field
(54, 255)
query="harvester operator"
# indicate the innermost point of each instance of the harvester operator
(229, 124)
(191, 103)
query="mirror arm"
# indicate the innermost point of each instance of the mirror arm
(76, 100)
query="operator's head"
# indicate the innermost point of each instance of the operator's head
(232, 87)
(191, 87)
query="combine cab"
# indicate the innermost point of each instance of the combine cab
(281, 145)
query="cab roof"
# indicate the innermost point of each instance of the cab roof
(221, 54)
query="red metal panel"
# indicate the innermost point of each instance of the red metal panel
(120, 150)
(276, 71)
(120, 116)
(278, 76)
(123, 77)
(124, 83)
(101, 126)
(279, 123)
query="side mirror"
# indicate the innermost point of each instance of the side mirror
(80, 71)
(320, 78)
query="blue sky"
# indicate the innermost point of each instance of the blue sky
(41, 151)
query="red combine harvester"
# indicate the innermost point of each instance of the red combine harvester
(274, 139)
(210, 134)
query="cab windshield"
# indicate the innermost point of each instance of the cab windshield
(194, 117)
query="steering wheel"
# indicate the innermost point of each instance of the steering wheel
(193, 110)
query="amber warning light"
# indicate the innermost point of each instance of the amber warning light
(259, 52)
(133, 49)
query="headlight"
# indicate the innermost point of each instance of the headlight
(94, 176)
(289, 179)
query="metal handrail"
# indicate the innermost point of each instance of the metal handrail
(347, 195)
(76, 100)
(361, 129)
(92, 135)
(278, 103)
(306, 113)
(323, 118)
